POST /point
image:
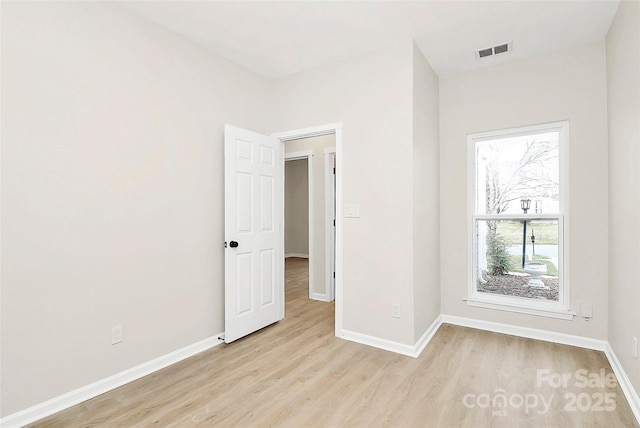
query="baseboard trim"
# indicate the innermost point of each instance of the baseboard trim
(299, 255)
(389, 345)
(64, 401)
(530, 333)
(320, 297)
(376, 342)
(427, 336)
(624, 381)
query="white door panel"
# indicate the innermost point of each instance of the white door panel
(254, 264)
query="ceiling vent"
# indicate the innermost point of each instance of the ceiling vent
(495, 50)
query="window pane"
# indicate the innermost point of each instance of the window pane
(500, 268)
(512, 168)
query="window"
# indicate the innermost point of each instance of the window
(518, 215)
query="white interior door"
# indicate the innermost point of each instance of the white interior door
(254, 253)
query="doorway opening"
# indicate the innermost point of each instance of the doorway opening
(310, 210)
(298, 219)
(325, 237)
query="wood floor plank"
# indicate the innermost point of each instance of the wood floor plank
(297, 374)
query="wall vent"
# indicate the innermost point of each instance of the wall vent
(485, 52)
(495, 50)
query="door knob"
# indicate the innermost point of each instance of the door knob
(233, 244)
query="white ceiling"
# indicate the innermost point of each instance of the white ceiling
(279, 38)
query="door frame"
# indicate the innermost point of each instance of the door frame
(329, 217)
(308, 155)
(336, 129)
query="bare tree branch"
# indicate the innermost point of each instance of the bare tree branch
(530, 178)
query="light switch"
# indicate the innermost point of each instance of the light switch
(352, 211)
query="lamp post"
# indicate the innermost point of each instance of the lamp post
(533, 243)
(524, 204)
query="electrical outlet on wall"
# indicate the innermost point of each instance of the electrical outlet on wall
(395, 311)
(116, 334)
(635, 347)
(586, 310)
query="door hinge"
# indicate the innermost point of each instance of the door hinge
(334, 170)
(334, 222)
(334, 275)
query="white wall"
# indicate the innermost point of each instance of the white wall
(623, 83)
(372, 96)
(112, 179)
(112, 190)
(426, 194)
(567, 85)
(296, 207)
(317, 146)
(387, 102)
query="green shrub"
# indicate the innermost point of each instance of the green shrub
(498, 259)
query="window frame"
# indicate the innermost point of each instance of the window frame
(557, 309)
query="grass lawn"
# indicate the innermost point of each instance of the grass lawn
(516, 264)
(545, 231)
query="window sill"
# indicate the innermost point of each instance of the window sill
(563, 314)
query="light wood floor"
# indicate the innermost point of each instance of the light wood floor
(297, 374)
